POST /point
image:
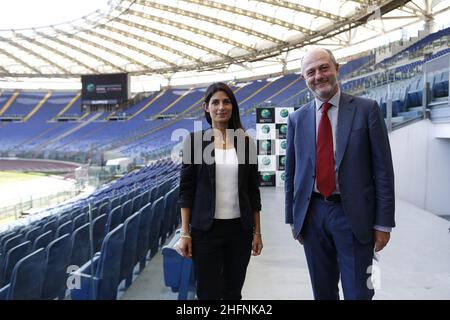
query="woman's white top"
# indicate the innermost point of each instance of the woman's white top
(227, 193)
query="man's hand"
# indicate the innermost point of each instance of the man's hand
(300, 239)
(381, 239)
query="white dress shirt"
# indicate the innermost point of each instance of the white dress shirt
(227, 193)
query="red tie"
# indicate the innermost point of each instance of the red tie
(326, 183)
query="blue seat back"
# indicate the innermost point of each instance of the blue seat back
(127, 209)
(66, 227)
(98, 231)
(131, 229)
(176, 214)
(79, 220)
(80, 246)
(114, 218)
(51, 225)
(108, 268)
(43, 240)
(75, 213)
(155, 225)
(11, 258)
(103, 209)
(94, 213)
(137, 203)
(57, 261)
(114, 203)
(178, 271)
(11, 242)
(33, 233)
(143, 234)
(169, 200)
(64, 218)
(28, 277)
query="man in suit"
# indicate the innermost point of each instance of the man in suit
(339, 182)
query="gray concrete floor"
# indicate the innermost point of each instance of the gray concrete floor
(414, 265)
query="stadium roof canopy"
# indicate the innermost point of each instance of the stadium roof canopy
(167, 37)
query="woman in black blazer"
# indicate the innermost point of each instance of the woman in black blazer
(219, 199)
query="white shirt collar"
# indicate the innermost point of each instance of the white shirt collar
(333, 101)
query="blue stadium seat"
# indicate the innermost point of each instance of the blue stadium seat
(143, 235)
(79, 220)
(11, 242)
(440, 86)
(43, 240)
(137, 200)
(98, 231)
(102, 285)
(94, 213)
(131, 229)
(169, 207)
(11, 258)
(64, 218)
(114, 218)
(80, 246)
(75, 213)
(178, 271)
(51, 226)
(57, 261)
(66, 227)
(33, 233)
(27, 278)
(127, 209)
(176, 217)
(155, 226)
(4, 237)
(114, 203)
(103, 209)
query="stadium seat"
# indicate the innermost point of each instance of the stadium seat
(43, 240)
(33, 233)
(103, 284)
(169, 207)
(81, 249)
(127, 209)
(114, 218)
(12, 256)
(27, 278)
(79, 220)
(137, 200)
(131, 230)
(51, 226)
(57, 260)
(10, 242)
(155, 226)
(66, 227)
(178, 271)
(143, 235)
(98, 231)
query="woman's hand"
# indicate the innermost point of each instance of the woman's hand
(257, 245)
(185, 247)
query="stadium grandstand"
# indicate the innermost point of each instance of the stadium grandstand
(93, 98)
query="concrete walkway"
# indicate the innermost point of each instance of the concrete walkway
(414, 265)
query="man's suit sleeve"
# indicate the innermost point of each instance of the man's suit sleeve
(382, 169)
(289, 172)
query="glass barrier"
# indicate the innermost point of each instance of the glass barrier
(436, 76)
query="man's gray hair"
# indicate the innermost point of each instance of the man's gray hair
(332, 58)
(330, 54)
